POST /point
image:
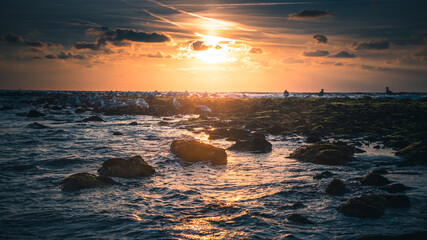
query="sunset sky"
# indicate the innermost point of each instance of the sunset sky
(214, 45)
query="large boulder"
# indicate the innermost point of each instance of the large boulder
(325, 153)
(414, 154)
(336, 187)
(80, 181)
(132, 167)
(374, 179)
(373, 205)
(365, 206)
(194, 151)
(35, 113)
(252, 144)
(394, 188)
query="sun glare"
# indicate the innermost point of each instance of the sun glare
(219, 51)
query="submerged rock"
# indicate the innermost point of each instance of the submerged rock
(132, 167)
(374, 179)
(117, 133)
(365, 206)
(373, 205)
(36, 125)
(312, 139)
(419, 235)
(35, 113)
(324, 174)
(194, 151)
(394, 188)
(325, 153)
(336, 187)
(253, 144)
(133, 123)
(80, 181)
(298, 218)
(93, 119)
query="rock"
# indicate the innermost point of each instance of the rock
(132, 167)
(365, 206)
(298, 205)
(117, 133)
(163, 123)
(36, 125)
(414, 154)
(252, 144)
(56, 108)
(80, 110)
(336, 187)
(325, 153)
(133, 123)
(324, 174)
(419, 235)
(374, 179)
(380, 171)
(298, 218)
(194, 151)
(312, 139)
(93, 119)
(397, 201)
(35, 113)
(80, 181)
(231, 134)
(394, 188)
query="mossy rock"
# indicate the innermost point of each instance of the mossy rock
(325, 153)
(80, 181)
(365, 206)
(374, 179)
(194, 151)
(133, 167)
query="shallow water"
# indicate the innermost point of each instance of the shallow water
(249, 198)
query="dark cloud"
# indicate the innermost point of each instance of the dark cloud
(309, 14)
(256, 51)
(199, 46)
(343, 54)
(339, 64)
(320, 38)
(381, 45)
(50, 56)
(120, 37)
(12, 38)
(64, 55)
(370, 67)
(317, 53)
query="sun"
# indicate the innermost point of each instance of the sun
(219, 51)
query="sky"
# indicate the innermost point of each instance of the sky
(214, 45)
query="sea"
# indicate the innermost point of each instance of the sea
(249, 198)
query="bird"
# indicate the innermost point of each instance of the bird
(204, 109)
(142, 103)
(322, 92)
(286, 93)
(176, 103)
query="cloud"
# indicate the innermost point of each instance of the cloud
(199, 46)
(343, 54)
(120, 37)
(381, 45)
(256, 51)
(12, 38)
(309, 14)
(63, 55)
(339, 64)
(292, 60)
(156, 55)
(317, 53)
(320, 38)
(369, 67)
